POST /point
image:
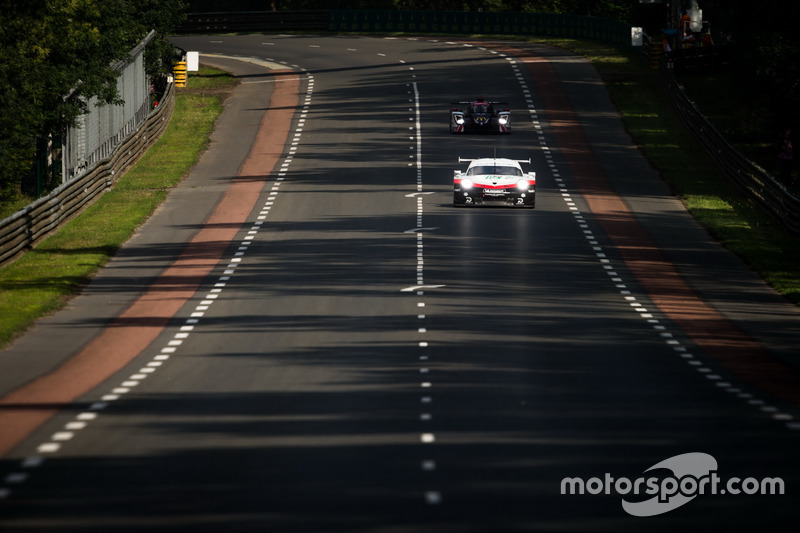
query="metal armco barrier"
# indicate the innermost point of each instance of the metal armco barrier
(757, 183)
(469, 22)
(22, 230)
(255, 21)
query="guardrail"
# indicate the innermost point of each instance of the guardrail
(255, 21)
(756, 182)
(486, 23)
(447, 22)
(22, 230)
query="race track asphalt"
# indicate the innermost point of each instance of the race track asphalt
(334, 347)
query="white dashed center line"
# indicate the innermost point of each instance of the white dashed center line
(430, 497)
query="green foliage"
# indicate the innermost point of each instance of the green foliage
(618, 9)
(163, 16)
(765, 45)
(57, 54)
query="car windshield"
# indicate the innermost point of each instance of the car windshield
(478, 170)
(480, 108)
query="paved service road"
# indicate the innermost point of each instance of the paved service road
(338, 348)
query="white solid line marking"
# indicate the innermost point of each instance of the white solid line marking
(420, 287)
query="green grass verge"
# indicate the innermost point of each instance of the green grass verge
(41, 280)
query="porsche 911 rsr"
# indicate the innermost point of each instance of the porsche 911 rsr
(480, 116)
(494, 181)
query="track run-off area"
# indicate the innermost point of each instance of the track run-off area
(308, 336)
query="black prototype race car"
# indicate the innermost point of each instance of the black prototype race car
(480, 115)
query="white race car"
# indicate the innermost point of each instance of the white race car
(494, 181)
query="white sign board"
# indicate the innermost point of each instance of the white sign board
(192, 61)
(637, 36)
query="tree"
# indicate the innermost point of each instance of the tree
(765, 46)
(55, 55)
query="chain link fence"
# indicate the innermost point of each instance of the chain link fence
(95, 153)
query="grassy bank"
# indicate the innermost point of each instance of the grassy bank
(40, 281)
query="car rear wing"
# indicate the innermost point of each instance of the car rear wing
(502, 106)
(468, 102)
(469, 160)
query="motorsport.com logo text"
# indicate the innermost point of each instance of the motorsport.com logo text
(693, 474)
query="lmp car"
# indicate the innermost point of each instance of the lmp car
(480, 115)
(494, 181)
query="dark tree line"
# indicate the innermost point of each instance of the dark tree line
(766, 47)
(57, 54)
(599, 8)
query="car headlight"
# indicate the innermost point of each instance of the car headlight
(522, 185)
(503, 119)
(466, 183)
